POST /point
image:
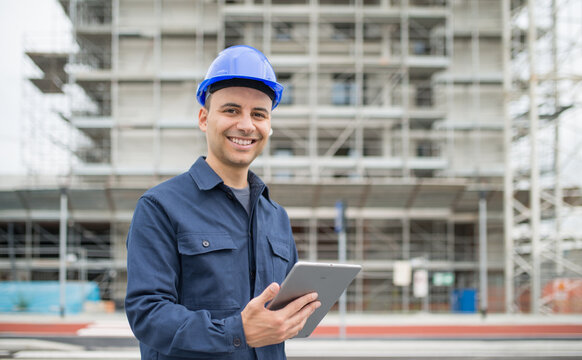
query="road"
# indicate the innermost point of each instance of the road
(368, 338)
(103, 347)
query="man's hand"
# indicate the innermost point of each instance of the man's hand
(264, 327)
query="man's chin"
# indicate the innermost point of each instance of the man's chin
(241, 162)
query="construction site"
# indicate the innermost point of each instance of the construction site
(434, 124)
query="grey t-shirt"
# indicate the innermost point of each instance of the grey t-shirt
(244, 197)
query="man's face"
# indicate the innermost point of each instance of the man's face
(237, 125)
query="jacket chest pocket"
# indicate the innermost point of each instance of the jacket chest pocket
(208, 269)
(280, 257)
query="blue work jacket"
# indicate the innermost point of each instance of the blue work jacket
(194, 260)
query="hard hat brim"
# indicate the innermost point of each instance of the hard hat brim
(201, 93)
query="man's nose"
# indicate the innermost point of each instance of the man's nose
(245, 123)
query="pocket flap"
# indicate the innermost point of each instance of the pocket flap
(195, 244)
(279, 247)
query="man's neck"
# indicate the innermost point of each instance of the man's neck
(231, 176)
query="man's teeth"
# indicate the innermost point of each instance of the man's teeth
(241, 141)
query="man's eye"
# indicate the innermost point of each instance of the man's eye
(260, 115)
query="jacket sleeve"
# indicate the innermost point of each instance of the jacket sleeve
(153, 287)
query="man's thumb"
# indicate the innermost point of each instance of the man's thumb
(270, 292)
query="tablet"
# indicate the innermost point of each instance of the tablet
(328, 280)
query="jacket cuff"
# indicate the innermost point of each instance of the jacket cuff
(236, 336)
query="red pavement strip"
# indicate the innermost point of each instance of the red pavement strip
(41, 329)
(396, 331)
(454, 331)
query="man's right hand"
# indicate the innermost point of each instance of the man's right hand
(264, 327)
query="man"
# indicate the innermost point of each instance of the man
(208, 248)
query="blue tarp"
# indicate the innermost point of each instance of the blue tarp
(464, 300)
(44, 296)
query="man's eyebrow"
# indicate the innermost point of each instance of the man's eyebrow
(258, 108)
(230, 105)
(261, 109)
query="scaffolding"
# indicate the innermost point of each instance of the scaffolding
(543, 40)
(47, 140)
(404, 109)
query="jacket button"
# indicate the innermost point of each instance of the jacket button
(206, 243)
(236, 342)
(230, 196)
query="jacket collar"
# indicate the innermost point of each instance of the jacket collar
(203, 175)
(206, 179)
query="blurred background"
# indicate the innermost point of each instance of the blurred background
(446, 134)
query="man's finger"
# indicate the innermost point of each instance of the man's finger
(298, 319)
(299, 303)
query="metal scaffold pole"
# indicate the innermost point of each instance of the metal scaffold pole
(508, 171)
(483, 282)
(340, 228)
(63, 252)
(558, 193)
(534, 165)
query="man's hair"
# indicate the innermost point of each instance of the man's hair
(207, 101)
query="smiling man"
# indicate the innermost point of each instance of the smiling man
(237, 128)
(208, 249)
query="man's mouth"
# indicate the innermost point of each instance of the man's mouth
(240, 141)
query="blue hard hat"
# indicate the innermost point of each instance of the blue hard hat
(240, 62)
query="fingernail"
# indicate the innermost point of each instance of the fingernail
(315, 296)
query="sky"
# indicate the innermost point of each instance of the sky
(10, 87)
(16, 20)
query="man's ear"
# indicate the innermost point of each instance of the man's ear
(203, 119)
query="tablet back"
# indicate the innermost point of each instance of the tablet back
(328, 280)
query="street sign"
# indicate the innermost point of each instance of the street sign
(402, 273)
(420, 284)
(443, 278)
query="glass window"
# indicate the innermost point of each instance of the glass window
(343, 91)
(344, 31)
(283, 31)
(287, 97)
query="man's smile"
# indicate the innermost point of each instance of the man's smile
(241, 141)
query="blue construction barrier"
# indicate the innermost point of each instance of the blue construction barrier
(44, 296)
(464, 300)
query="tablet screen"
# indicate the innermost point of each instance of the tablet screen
(327, 279)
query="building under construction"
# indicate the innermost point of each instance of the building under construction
(402, 110)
